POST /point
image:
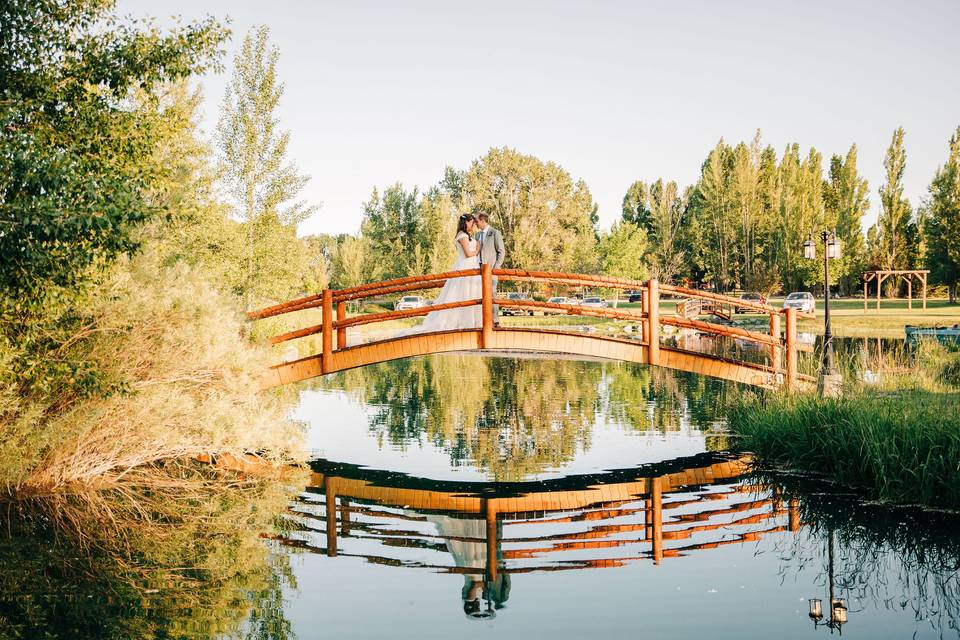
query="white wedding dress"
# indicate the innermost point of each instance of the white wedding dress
(455, 290)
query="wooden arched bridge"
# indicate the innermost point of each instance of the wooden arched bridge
(779, 368)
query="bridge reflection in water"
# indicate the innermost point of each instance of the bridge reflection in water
(488, 532)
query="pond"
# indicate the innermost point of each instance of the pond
(468, 496)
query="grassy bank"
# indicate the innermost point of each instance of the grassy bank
(899, 440)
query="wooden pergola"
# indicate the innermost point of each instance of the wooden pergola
(907, 274)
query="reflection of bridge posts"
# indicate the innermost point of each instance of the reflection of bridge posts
(653, 317)
(490, 511)
(794, 515)
(344, 516)
(655, 517)
(331, 499)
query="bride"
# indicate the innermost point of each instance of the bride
(457, 289)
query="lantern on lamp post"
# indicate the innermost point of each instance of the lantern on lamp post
(830, 380)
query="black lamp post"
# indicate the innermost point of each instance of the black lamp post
(831, 250)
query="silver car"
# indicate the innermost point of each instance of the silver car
(595, 302)
(800, 300)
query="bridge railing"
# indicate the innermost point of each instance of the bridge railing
(334, 320)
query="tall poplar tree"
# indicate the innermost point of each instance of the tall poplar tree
(846, 200)
(894, 219)
(667, 211)
(943, 222)
(262, 181)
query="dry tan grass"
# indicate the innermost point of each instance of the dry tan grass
(177, 342)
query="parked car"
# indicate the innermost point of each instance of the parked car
(560, 300)
(801, 300)
(634, 296)
(594, 302)
(410, 302)
(516, 311)
(752, 296)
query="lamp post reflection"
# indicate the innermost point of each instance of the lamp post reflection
(838, 606)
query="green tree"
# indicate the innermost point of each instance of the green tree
(894, 220)
(667, 212)
(636, 209)
(622, 251)
(439, 226)
(546, 216)
(263, 183)
(74, 168)
(800, 212)
(350, 261)
(943, 222)
(393, 226)
(717, 214)
(846, 200)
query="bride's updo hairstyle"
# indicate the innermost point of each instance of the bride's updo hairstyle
(464, 223)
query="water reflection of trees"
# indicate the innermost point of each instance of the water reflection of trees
(896, 558)
(514, 417)
(181, 561)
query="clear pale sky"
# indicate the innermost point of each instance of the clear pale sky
(378, 92)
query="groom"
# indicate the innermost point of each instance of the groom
(491, 252)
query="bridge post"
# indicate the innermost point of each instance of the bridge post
(653, 321)
(341, 331)
(486, 279)
(330, 495)
(655, 507)
(775, 347)
(791, 344)
(645, 311)
(326, 361)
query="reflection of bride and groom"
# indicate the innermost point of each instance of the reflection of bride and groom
(477, 244)
(466, 540)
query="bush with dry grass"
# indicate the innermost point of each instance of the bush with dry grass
(184, 381)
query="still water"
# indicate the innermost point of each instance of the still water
(472, 497)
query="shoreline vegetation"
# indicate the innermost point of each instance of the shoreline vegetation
(186, 385)
(124, 354)
(898, 440)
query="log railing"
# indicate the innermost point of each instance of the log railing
(334, 319)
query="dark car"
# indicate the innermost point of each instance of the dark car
(752, 296)
(634, 296)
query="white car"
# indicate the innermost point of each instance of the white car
(561, 300)
(410, 302)
(594, 302)
(800, 300)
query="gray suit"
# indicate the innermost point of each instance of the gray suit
(491, 247)
(492, 253)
